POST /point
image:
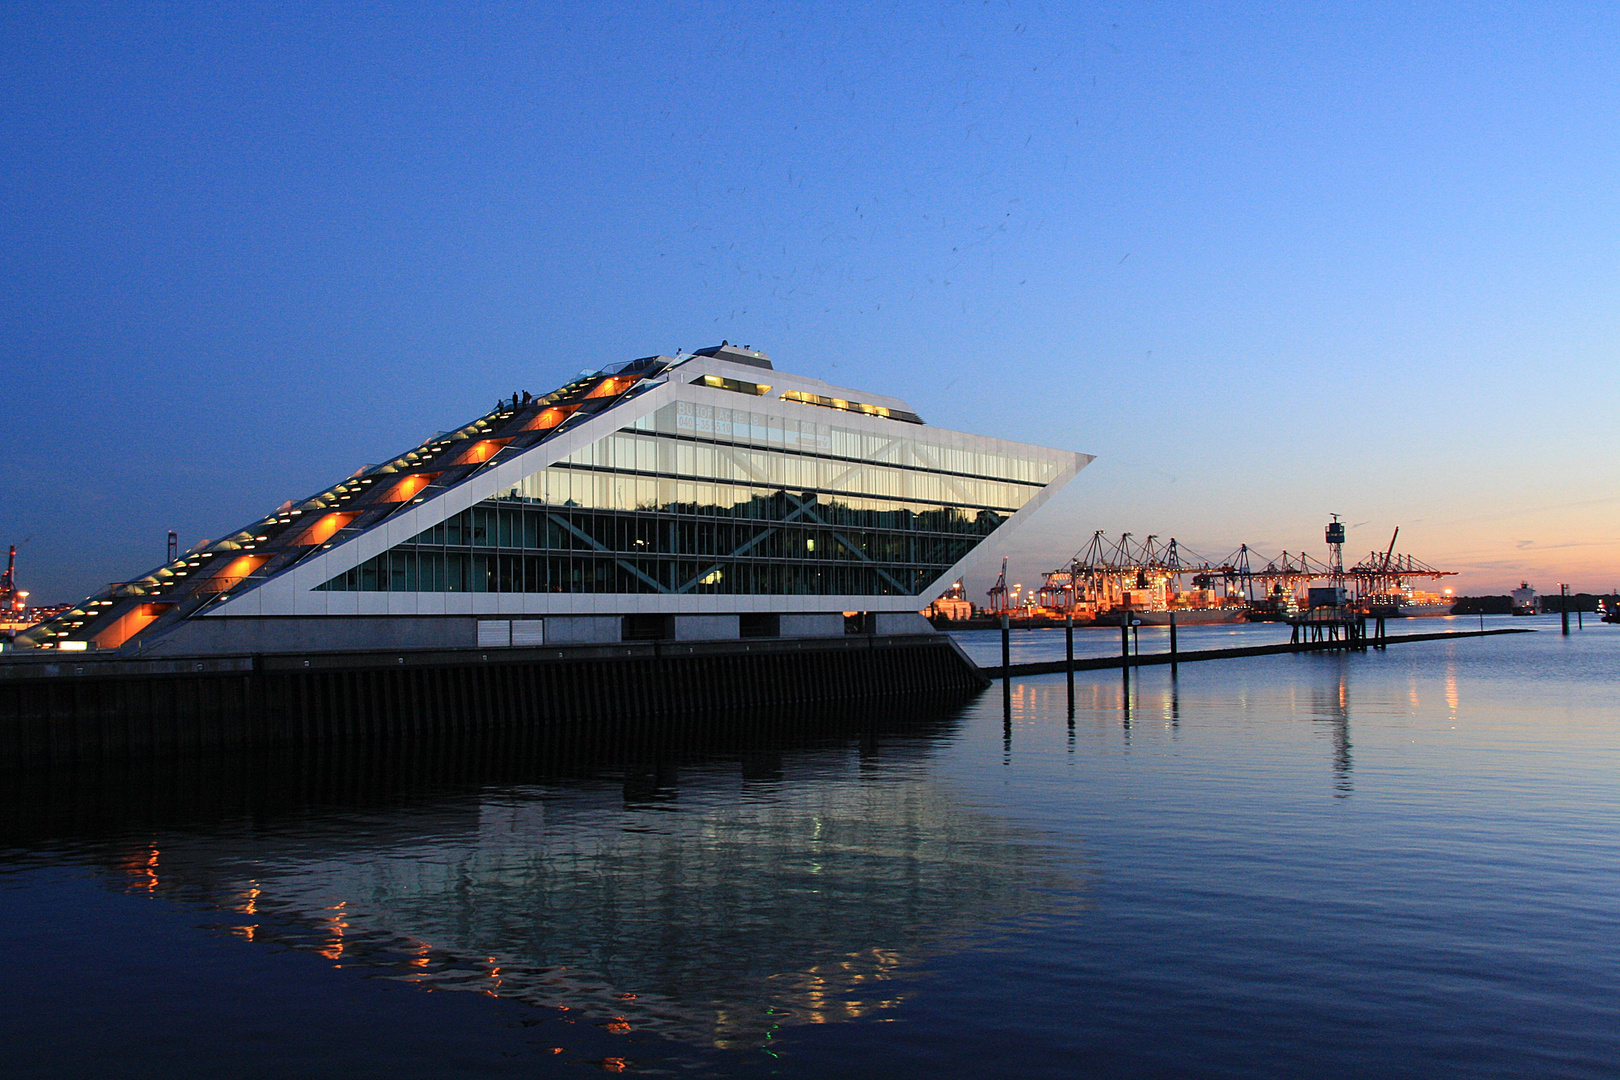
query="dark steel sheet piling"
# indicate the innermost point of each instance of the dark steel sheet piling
(56, 711)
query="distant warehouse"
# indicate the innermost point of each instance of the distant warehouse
(704, 496)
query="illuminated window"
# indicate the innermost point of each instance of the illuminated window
(736, 386)
(805, 398)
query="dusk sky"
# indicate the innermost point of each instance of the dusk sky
(1268, 263)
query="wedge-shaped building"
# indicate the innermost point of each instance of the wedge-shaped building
(704, 496)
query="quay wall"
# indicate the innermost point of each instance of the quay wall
(59, 710)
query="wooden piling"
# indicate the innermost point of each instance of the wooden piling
(1068, 652)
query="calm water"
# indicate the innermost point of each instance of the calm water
(1394, 864)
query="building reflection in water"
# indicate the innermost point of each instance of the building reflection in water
(711, 887)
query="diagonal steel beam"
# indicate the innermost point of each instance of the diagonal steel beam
(851, 548)
(599, 546)
(799, 509)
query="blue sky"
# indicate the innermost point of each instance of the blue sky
(1267, 263)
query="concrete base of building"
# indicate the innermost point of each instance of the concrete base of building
(294, 634)
(60, 710)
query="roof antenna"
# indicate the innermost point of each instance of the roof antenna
(724, 343)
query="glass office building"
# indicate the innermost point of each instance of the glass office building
(705, 483)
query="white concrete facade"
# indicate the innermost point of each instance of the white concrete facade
(588, 616)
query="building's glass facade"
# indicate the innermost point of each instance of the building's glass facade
(697, 498)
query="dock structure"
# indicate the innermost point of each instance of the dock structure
(58, 709)
(1332, 625)
(1135, 659)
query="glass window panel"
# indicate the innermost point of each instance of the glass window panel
(913, 512)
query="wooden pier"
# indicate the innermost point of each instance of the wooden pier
(1325, 644)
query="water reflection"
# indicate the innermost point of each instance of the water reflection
(713, 886)
(1138, 703)
(1330, 705)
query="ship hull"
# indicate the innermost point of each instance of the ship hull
(1410, 611)
(1184, 617)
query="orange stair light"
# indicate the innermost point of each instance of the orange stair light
(546, 419)
(129, 624)
(407, 488)
(480, 451)
(611, 387)
(323, 529)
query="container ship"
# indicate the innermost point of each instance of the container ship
(1410, 605)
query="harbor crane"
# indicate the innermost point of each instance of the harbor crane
(1125, 573)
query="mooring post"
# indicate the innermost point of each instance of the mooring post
(1563, 605)
(1006, 674)
(1125, 636)
(1172, 643)
(1068, 652)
